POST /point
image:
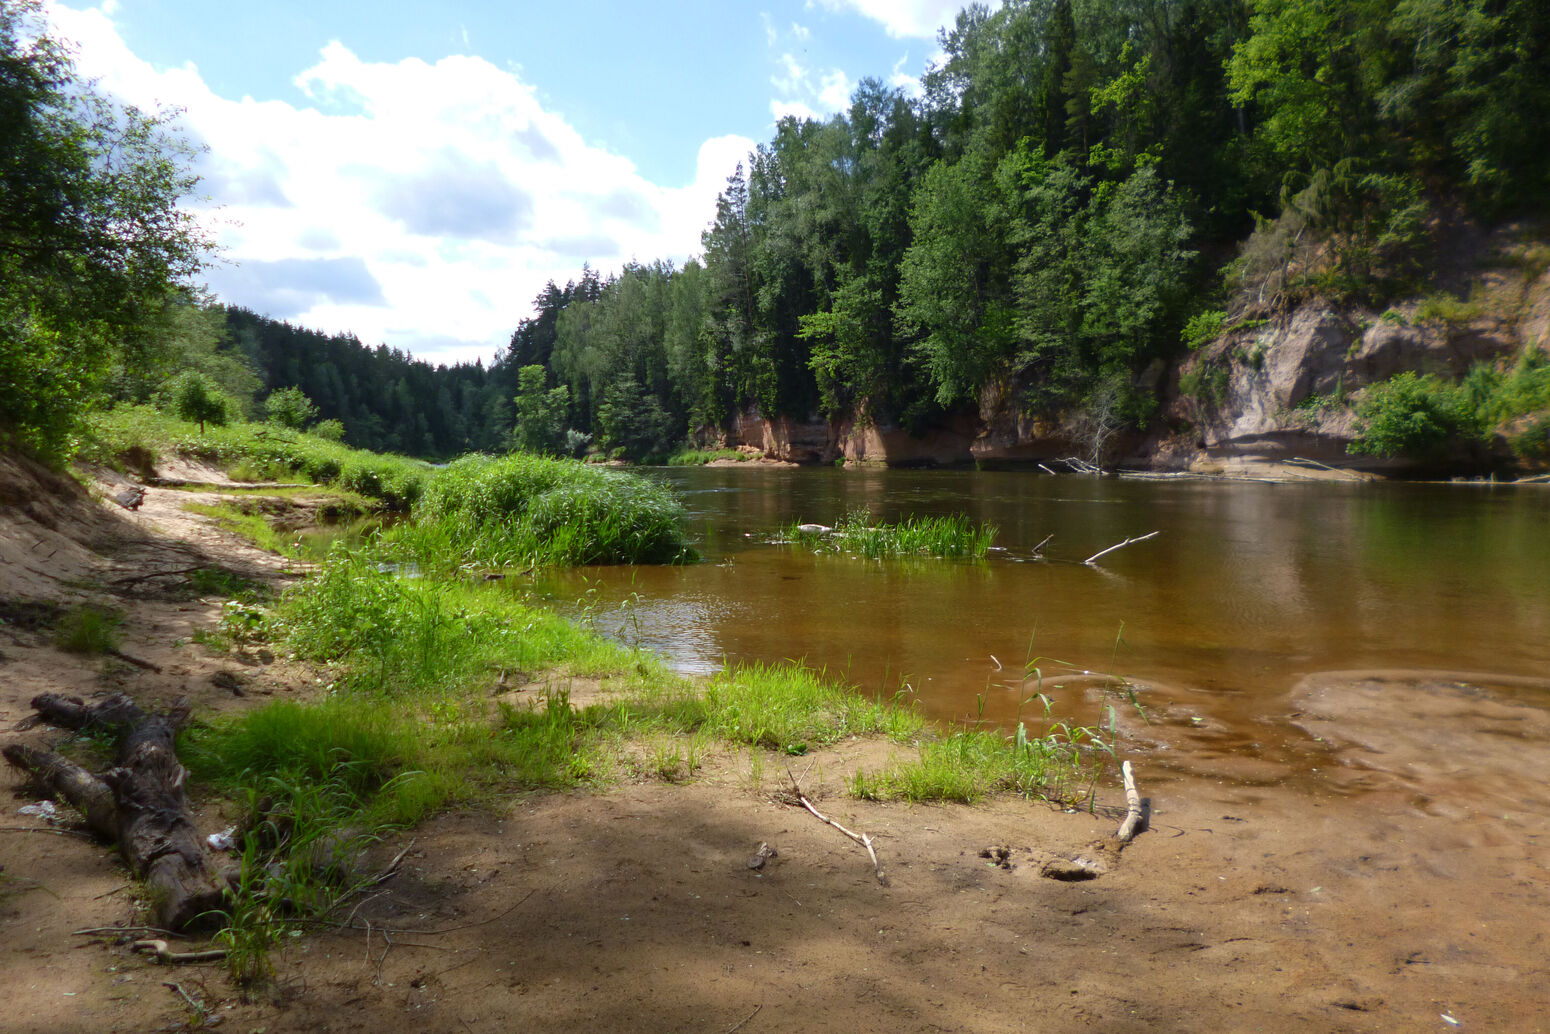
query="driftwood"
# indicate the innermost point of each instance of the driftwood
(1138, 813)
(139, 803)
(1121, 545)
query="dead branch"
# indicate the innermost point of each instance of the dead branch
(739, 1026)
(1138, 814)
(154, 574)
(1122, 545)
(167, 957)
(1079, 466)
(861, 838)
(137, 662)
(70, 783)
(1037, 550)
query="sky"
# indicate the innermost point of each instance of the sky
(415, 173)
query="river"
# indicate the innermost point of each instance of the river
(1247, 589)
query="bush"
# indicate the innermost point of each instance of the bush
(1204, 328)
(531, 509)
(290, 407)
(1412, 415)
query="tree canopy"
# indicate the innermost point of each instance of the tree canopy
(93, 243)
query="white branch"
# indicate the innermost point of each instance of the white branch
(1122, 545)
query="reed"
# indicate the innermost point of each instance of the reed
(949, 537)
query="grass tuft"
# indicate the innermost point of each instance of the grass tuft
(951, 537)
(88, 629)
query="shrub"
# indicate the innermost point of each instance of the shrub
(1411, 415)
(525, 508)
(1205, 327)
(290, 407)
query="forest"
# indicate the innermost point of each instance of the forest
(1081, 190)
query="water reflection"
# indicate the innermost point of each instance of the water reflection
(1247, 588)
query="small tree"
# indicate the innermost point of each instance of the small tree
(540, 426)
(290, 407)
(328, 430)
(633, 423)
(195, 397)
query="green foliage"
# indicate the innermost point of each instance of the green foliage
(1411, 415)
(700, 457)
(526, 509)
(955, 280)
(633, 424)
(950, 537)
(88, 629)
(1204, 327)
(196, 398)
(394, 480)
(1441, 307)
(1205, 382)
(290, 407)
(91, 237)
(540, 412)
(328, 430)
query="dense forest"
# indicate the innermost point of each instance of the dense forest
(1083, 187)
(1081, 190)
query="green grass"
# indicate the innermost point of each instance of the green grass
(699, 457)
(261, 450)
(969, 765)
(524, 509)
(952, 537)
(88, 629)
(253, 527)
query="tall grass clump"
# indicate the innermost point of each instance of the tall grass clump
(88, 629)
(950, 537)
(525, 509)
(700, 457)
(970, 764)
(398, 635)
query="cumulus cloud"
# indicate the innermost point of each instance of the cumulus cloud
(287, 288)
(449, 198)
(903, 18)
(805, 93)
(419, 204)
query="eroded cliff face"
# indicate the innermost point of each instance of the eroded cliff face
(1287, 387)
(1264, 393)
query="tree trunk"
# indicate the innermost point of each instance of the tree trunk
(139, 802)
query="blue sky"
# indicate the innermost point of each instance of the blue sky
(415, 172)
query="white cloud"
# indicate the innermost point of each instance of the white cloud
(806, 94)
(903, 18)
(422, 205)
(799, 32)
(902, 80)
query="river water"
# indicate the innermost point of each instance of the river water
(1247, 589)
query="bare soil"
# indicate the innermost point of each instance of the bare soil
(1393, 875)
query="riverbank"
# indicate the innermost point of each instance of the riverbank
(1402, 886)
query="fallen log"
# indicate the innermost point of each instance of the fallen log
(139, 803)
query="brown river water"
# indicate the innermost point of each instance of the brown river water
(1251, 597)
